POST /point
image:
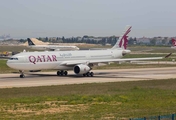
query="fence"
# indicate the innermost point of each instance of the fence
(160, 117)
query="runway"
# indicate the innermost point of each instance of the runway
(116, 75)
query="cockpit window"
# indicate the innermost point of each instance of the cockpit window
(13, 59)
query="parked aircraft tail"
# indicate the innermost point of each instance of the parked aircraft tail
(30, 42)
(173, 42)
(122, 42)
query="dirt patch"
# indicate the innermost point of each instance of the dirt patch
(64, 108)
(49, 107)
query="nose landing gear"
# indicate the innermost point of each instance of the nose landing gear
(21, 74)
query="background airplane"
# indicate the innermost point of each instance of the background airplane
(173, 43)
(81, 61)
(49, 47)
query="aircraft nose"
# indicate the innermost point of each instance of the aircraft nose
(9, 64)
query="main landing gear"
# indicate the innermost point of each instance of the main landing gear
(62, 73)
(88, 74)
(21, 74)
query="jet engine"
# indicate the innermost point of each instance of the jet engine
(81, 69)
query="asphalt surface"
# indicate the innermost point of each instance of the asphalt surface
(117, 75)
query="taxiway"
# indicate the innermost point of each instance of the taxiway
(116, 75)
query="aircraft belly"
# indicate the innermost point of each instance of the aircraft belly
(63, 68)
(38, 66)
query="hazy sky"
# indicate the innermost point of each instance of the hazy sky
(49, 18)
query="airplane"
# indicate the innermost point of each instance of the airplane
(81, 61)
(173, 43)
(50, 47)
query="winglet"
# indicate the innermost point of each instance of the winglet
(168, 55)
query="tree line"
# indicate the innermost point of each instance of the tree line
(101, 40)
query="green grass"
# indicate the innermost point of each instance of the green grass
(122, 100)
(4, 68)
(152, 49)
(14, 48)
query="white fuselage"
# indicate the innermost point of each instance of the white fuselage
(53, 59)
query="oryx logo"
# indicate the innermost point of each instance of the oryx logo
(173, 42)
(124, 41)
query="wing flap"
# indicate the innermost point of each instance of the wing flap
(74, 62)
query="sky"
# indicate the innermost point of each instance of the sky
(57, 18)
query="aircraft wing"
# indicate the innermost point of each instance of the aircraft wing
(173, 47)
(71, 63)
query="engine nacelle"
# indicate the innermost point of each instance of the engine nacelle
(81, 69)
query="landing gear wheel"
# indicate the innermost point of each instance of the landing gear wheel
(65, 73)
(22, 76)
(61, 73)
(91, 74)
(87, 74)
(58, 73)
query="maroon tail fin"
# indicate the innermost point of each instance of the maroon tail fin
(123, 40)
(173, 42)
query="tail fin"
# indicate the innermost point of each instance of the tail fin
(173, 42)
(30, 42)
(123, 41)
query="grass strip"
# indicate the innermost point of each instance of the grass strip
(118, 100)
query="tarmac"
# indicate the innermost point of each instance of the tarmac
(100, 76)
